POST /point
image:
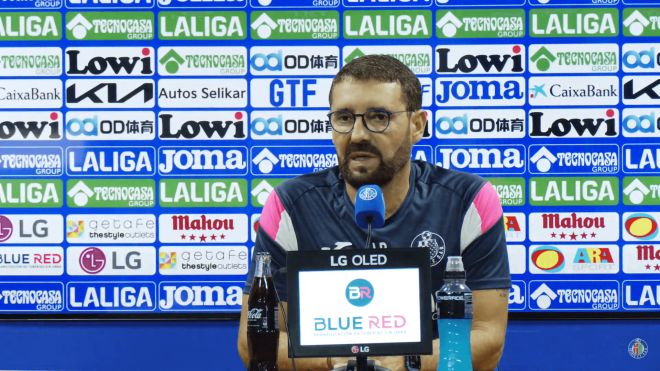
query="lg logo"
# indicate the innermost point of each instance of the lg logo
(359, 292)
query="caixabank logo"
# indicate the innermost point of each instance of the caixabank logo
(30, 94)
(574, 159)
(490, 59)
(202, 125)
(480, 124)
(483, 159)
(294, 60)
(119, 61)
(573, 91)
(574, 58)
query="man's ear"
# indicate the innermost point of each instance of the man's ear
(417, 125)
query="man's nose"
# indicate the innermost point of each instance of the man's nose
(360, 132)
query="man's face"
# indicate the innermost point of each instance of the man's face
(366, 157)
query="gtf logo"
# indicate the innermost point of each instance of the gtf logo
(359, 292)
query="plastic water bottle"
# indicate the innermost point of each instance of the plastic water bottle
(454, 312)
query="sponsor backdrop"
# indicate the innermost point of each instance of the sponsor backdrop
(139, 140)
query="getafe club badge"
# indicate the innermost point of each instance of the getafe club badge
(638, 348)
(434, 242)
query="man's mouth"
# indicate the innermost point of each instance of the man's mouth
(361, 156)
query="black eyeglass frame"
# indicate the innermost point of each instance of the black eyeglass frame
(364, 122)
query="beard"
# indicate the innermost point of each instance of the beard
(385, 171)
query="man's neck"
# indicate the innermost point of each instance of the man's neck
(394, 192)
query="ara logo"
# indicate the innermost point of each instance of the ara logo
(492, 59)
(109, 61)
(130, 93)
(574, 159)
(202, 161)
(517, 295)
(591, 191)
(500, 159)
(574, 90)
(571, 22)
(574, 58)
(110, 125)
(644, 190)
(640, 90)
(269, 125)
(587, 295)
(205, 61)
(110, 161)
(480, 23)
(637, 22)
(480, 124)
(641, 158)
(494, 91)
(295, 60)
(640, 58)
(515, 227)
(292, 160)
(36, 125)
(416, 57)
(574, 123)
(202, 125)
(574, 259)
(569, 227)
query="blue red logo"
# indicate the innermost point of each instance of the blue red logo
(359, 292)
(548, 258)
(642, 226)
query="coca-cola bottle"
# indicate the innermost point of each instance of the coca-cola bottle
(263, 330)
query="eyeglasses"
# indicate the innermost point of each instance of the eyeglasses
(375, 120)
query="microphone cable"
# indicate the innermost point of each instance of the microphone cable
(369, 220)
(286, 322)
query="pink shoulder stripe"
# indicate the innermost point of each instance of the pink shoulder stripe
(488, 206)
(271, 215)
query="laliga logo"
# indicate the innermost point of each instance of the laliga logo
(359, 292)
(368, 194)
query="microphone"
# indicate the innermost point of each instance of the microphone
(369, 209)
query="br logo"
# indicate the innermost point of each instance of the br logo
(359, 292)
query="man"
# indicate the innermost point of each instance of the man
(376, 117)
